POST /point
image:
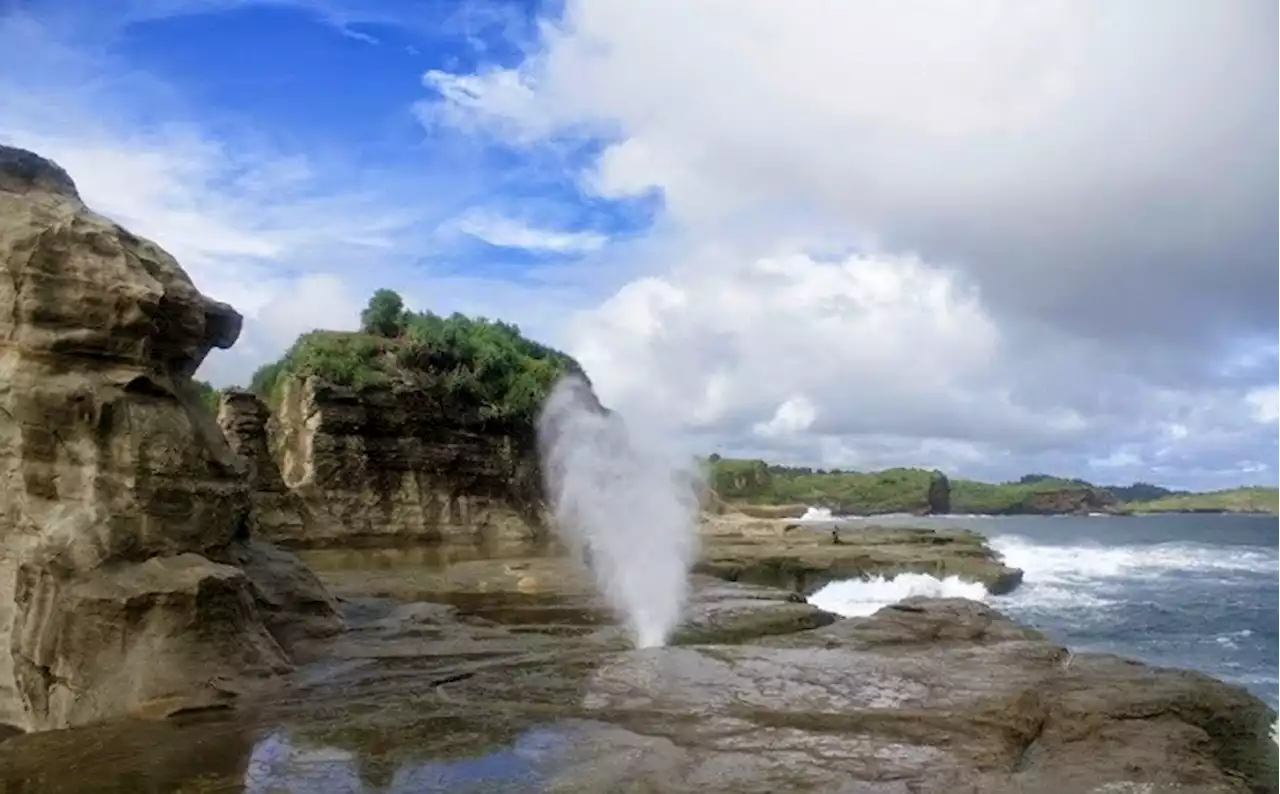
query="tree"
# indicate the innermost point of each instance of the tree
(385, 315)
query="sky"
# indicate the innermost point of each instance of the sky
(993, 237)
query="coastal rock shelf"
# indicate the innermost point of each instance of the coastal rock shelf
(518, 681)
(129, 579)
(804, 557)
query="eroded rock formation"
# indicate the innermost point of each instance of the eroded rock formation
(129, 580)
(386, 467)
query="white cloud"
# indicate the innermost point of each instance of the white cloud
(1265, 403)
(793, 416)
(1083, 230)
(509, 233)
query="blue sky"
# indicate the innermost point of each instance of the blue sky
(311, 117)
(991, 239)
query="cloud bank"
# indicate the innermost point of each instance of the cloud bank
(997, 235)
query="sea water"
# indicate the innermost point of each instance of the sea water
(1190, 591)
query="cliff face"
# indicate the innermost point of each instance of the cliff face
(129, 581)
(1075, 501)
(384, 466)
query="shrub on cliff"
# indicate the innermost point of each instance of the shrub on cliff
(469, 369)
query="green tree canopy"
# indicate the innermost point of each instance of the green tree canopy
(470, 370)
(385, 314)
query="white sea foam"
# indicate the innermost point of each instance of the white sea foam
(1081, 562)
(817, 514)
(859, 598)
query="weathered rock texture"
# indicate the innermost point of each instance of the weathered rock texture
(279, 514)
(387, 468)
(128, 579)
(804, 556)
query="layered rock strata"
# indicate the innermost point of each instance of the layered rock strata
(129, 578)
(804, 556)
(388, 468)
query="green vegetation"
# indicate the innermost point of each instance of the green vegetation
(1141, 492)
(208, 395)
(1031, 494)
(1252, 499)
(756, 482)
(472, 370)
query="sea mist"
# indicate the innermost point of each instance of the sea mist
(623, 501)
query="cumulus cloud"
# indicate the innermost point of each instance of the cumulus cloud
(1063, 218)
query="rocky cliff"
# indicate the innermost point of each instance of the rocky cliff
(385, 465)
(129, 578)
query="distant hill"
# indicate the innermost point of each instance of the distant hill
(898, 490)
(1141, 492)
(1252, 499)
(787, 490)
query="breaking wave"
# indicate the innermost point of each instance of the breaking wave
(852, 598)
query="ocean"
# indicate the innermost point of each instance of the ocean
(1191, 591)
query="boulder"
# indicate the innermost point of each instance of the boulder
(125, 518)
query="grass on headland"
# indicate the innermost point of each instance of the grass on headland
(1250, 499)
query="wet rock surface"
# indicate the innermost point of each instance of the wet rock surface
(508, 684)
(804, 556)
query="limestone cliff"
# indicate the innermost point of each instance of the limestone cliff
(129, 581)
(386, 466)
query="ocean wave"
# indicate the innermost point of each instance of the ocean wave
(1083, 562)
(861, 597)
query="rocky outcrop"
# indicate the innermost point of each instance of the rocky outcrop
(129, 581)
(939, 495)
(387, 468)
(1068, 501)
(805, 556)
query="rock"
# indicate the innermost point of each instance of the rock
(924, 697)
(151, 636)
(939, 496)
(294, 604)
(387, 470)
(1077, 501)
(802, 557)
(279, 514)
(723, 612)
(928, 696)
(121, 505)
